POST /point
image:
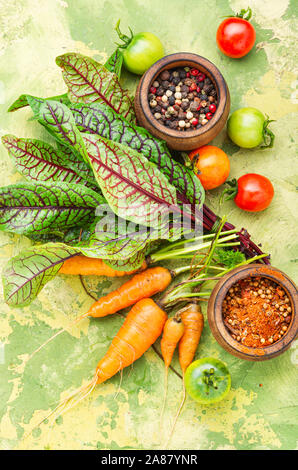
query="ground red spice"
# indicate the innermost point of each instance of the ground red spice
(257, 311)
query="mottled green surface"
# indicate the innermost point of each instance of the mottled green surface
(124, 415)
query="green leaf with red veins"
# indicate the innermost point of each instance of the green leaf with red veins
(115, 62)
(134, 188)
(128, 264)
(88, 82)
(26, 274)
(38, 208)
(98, 118)
(117, 241)
(22, 101)
(59, 122)
(39, 161)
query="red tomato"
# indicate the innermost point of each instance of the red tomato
(235, 37)
(255, 192)
(211, 165)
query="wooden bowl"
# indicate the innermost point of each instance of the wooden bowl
(183, 140)
(218, 328)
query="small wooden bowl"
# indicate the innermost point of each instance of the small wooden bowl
(218, 328)
(184, 140)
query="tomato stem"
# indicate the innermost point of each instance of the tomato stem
(245, 14)
(194, 163)
(187, 161)
(209, 379)
(126, 39)
(268, 135)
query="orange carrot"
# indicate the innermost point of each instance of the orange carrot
(141, 328)
(193, 321)
(93, 267)
(141, 285)
(172, 333)
(144, 284)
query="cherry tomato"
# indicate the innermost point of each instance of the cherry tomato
(207, 380)
(140, 50)
(211, 165)
(248, 128)
(236, 36)
(252, 192)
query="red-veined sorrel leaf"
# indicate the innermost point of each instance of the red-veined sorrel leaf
(39, 161)
(134, 188)
(115, 62)
(114, 238)
(59, 122)
(26, 274)
(88, 81)
(113, 65)
(22, 101)
(128, 264)
(40, 207)
(100, 119)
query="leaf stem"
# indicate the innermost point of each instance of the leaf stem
(193, 248)
(175, 295)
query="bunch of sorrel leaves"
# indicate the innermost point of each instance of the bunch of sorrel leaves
(100, 164)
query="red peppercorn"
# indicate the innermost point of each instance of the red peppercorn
(198, 89)
(208, 116)
(199, 107)
(187, 74)
(194, 72)
(212, 108)
(193, 87)
(195, 122)
(153, 90)
(158, 98)
(201, 77)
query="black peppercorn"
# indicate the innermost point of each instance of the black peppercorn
(188, 102)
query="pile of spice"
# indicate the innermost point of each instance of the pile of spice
(183, 98)
(257, 312)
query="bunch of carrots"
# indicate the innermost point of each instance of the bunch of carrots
(144, 323)
(147, 319)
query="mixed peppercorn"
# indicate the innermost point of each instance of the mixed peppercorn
(257, 312)
(183, 99)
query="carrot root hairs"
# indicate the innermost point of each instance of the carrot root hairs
(77, 320)
(177, 414)
(141, 328)
(141, 285)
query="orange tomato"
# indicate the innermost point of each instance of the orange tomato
(211, 165)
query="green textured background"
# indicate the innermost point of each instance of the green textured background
(260, 411)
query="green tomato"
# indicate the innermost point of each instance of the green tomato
(207, 380)
(140, 51)
(247, 128)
